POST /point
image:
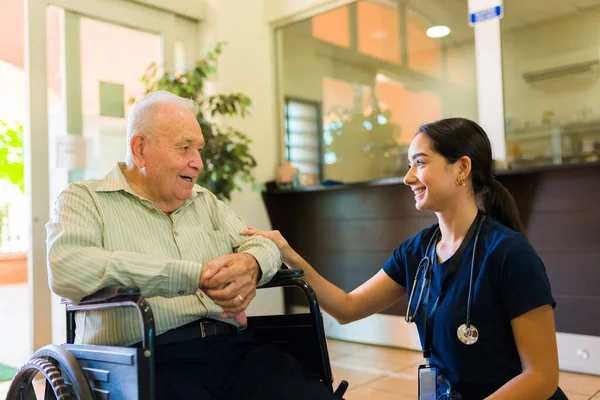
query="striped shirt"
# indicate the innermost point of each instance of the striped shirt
(101, 233)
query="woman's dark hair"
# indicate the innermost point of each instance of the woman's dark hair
(454, 138)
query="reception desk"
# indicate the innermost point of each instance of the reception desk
(348, 231)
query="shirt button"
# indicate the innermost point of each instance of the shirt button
(176, 234)
(181, 292)
(201, 295)
(153, 210)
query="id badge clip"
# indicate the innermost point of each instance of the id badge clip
(428, 376)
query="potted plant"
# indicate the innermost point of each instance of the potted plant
(13, 267)
(227, 158)
(12, 167)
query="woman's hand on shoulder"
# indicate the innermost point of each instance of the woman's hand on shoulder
(276, 237)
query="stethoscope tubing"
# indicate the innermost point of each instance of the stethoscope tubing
(472, 278)
(425, 265)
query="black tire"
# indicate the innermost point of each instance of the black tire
(22, 389)
(69, 368)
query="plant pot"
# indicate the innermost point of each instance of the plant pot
(13, 268)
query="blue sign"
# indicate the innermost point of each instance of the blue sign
(484, 15)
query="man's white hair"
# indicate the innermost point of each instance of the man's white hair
(142, 116)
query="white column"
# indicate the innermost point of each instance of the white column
(168, 47)
(36, 169)
(488, 56)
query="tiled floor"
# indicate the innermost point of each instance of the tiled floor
(380, 373)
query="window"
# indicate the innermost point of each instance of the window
(332, 27)
(550, 79)
(379, 30)
(385, 75)
(303, 138)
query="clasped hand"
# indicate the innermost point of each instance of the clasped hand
(230, 281)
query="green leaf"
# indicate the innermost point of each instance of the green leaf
(12, 165)
(227, 158)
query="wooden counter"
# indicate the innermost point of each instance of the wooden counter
(348, 231)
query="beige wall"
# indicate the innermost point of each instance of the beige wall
(189, 8)
(281, 11)
(248, 66)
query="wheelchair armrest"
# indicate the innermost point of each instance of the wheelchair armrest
(283, 277)
(110, 294)
(115, 297)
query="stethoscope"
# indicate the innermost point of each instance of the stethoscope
(467, 333)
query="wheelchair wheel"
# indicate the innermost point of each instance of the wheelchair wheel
(69, 368)
(21, 387)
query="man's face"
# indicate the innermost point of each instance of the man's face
(172, 157)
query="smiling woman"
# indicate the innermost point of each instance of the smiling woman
(473, 265)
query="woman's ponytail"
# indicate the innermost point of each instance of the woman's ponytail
(499, 204)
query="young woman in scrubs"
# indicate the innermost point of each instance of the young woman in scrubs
(512, 354)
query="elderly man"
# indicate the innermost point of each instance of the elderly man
(147, 223)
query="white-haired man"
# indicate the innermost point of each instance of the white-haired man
(147, 223)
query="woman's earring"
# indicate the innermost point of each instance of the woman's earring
(461, 180)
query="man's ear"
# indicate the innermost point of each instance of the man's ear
(138, 144)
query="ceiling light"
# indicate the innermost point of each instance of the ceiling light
(438, 31)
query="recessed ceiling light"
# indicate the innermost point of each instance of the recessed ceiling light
(438, 31)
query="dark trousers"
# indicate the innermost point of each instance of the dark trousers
(232, 367)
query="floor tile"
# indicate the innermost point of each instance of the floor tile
(386, 364)
(579, 383)
(575, 396)
(354, 376)
(402, 382)
(401, 358)
(363, 393)
(339, 348)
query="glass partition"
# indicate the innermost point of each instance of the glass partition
(551, 78)
(376, 70)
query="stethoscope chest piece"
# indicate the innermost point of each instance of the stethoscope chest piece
(467, 335)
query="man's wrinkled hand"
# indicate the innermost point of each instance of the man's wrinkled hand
(230, 281)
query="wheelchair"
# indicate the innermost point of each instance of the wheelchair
(96, 372)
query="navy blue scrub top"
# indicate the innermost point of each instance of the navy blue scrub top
(510, 280)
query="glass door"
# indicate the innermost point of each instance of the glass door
(95, 68)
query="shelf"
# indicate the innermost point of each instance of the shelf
(563, 70)
(542, 132)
